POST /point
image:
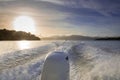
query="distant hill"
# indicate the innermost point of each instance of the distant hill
(71, 37)
(16, 35)
(79, 37)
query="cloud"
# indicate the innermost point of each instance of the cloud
(105, 7)
(78, 15)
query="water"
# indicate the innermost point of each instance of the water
(11, 46)
(89, 60)
(96, 60)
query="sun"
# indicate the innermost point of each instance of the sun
(24, 23)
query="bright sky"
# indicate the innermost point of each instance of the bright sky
(65, 17)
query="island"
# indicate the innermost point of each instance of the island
(16, 35)
(108, 38)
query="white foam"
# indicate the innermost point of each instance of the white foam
(87, 62)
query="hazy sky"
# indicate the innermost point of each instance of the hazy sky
(65, 17)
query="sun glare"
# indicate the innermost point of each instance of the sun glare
(23, 44)
(24, 23)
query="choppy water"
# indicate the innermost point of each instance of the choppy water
(89, 60)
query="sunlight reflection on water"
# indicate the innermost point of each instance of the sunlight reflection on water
(23, 44)
(11, 46)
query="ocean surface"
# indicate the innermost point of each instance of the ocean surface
(89, 60)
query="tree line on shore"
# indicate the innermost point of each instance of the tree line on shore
(16, 35)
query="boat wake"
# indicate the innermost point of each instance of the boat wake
(86, 62)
